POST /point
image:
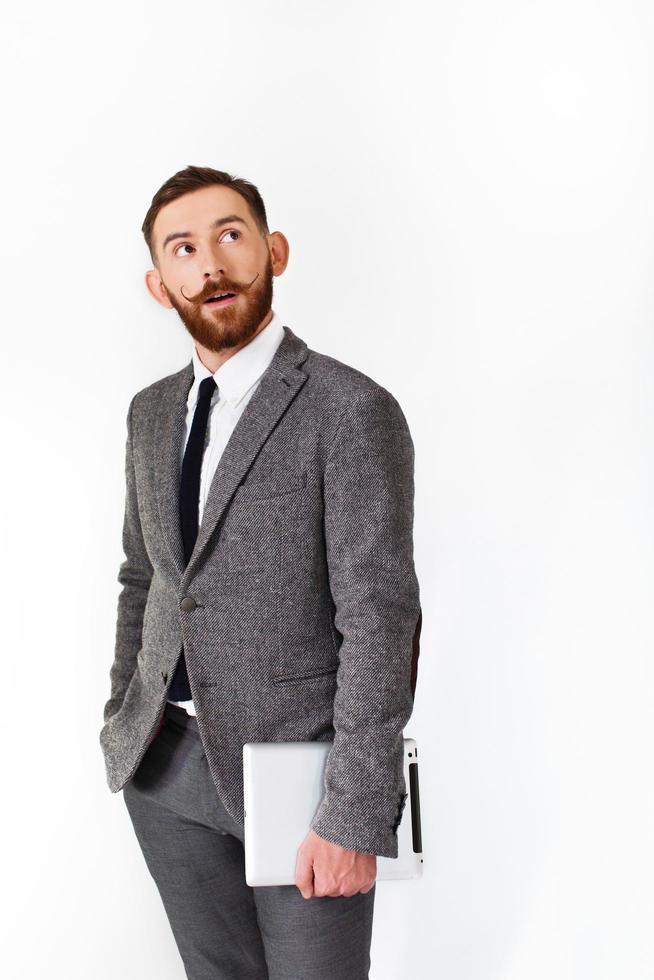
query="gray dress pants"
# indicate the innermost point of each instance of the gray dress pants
(224, 928)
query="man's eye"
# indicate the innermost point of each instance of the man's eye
(232, 231)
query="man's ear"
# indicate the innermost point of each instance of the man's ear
(155, 285)
(279, 250)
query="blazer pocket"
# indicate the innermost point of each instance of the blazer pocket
(275, 486)
(307, 676)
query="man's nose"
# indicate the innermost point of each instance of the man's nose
(213, 262)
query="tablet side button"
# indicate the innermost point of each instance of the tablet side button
(415, 807)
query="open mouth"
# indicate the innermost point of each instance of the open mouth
(220, 299)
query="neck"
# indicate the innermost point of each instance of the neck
(213, 359)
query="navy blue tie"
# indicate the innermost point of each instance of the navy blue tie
(189, 500)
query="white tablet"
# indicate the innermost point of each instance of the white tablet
(283, 785)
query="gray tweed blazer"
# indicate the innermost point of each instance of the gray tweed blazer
(299, 609)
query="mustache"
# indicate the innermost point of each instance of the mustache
(220, 287)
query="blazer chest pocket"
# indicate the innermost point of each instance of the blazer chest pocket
(276, 485)
(260, 522)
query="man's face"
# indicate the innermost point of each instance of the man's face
(207, 242)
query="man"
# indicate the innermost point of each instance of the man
(268, 594)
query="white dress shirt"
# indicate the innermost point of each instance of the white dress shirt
(237, 379)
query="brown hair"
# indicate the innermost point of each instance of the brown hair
(191, 179)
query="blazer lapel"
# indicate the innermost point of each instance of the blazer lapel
(168, 441)
(278, 387)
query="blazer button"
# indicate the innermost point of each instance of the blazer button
(188, 603)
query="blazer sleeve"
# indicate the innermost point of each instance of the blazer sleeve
(368, 524)
(134, 575)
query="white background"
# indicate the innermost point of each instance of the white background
(467, 192)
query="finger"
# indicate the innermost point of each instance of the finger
(304, 873)
(326, 888)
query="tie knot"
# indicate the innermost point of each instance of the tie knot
(207, 387)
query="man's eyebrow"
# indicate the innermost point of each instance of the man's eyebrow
(229, 219)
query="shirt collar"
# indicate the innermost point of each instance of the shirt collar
(243, 369)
